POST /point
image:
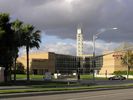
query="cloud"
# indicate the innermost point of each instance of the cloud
(100, 46)
(60, 18)
(69, 48)
(55, 44)
(60, 48)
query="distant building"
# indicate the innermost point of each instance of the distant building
(112, 59)
(79, 42)
(51, 62)
(88, 63)
(107, 63)
(112, 62)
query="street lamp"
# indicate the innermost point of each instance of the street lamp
(95, 36)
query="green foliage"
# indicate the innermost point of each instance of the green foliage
(127, 59)
(30, 39)
(6, 44)
(63, 87)
(122, 73)
(14, 35)
(6, 41)
(23, 76)
(19, 68)
(89, 76)
(30, 36)
(17, 28)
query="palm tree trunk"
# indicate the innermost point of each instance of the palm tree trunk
(15, 70)
(27, 53)
(10, 74)
(5, 74)
(128, 71)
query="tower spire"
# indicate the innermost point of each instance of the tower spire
(79, 42)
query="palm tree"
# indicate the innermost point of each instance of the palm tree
(127, 59)
(17, 28)
(6, 45)
(31, 39)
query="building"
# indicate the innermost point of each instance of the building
(51, 62)
(88, 63)
(66, 63)
(112, 62)
(79, 42)
(86, 60)
(107, 63)
(112, 59)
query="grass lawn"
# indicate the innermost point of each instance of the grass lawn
(40, 77)
(86, 76)
(89, 76)
(23, 76)
(44, 89)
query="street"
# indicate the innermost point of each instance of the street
(108, 82)
(122, 94)
(101, 81)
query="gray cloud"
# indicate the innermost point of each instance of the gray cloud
(58, 17)
(70, 48)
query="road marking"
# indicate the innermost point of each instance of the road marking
(94, 96)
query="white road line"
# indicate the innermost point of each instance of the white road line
(94, 96)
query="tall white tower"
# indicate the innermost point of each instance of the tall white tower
(79, 42)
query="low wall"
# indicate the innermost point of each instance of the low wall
(1, 74)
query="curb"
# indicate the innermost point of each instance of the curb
(16, 95)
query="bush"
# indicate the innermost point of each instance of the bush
(19, 68)
(122, 73)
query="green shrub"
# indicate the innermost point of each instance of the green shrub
(122, 73)
(19, 68)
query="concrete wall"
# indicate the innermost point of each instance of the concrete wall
(108, 64)
(22, 59)
(40, 62)
(51, 62)
(112, 62)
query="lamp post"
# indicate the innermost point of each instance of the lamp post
(95, 36)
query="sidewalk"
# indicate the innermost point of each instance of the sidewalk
(13, 87)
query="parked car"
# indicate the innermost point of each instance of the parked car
(117, 77)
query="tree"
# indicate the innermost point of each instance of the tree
(17, 28)
(19, 68)
(127, 59)
(14, 35)
(6, 45)
(30, 39)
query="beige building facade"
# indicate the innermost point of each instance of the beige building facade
(39, 62)
(112, 62)
(50, 62)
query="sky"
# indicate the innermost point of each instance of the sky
(58, 21)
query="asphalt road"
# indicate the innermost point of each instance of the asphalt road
(122, 94)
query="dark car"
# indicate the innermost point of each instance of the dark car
(117, 77)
